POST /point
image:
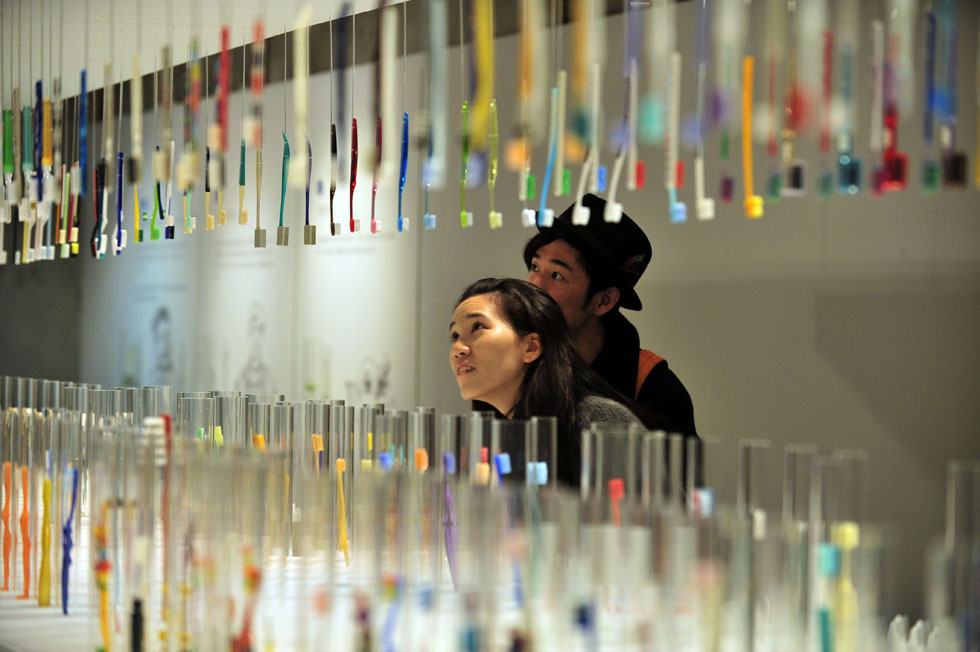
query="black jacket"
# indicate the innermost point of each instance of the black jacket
(662, 395)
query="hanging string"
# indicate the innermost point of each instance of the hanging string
(404, 51)
(462, 59)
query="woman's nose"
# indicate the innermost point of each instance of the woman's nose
(460, 349)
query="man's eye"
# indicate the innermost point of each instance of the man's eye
(534, 267)
(557, 276)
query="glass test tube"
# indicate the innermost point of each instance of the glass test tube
(196, 418)
(156, 400)
(507, 456)
(316, 438)
(543, 452)
(611, 470)
(229, 418)
(259, 417)
(478, 446)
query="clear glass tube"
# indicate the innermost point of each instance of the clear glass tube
(477, 440)
(156, 401)
(229, 418)
(316, 438)
(422, 446)
(653, 472)
(452, 435)
(50, 394)
(797, 461)
(259, 424)
(7, 386)
(543, 452)
(507, 456)
(196, 419)
(752, 462)
(963, 546)
(611, 470)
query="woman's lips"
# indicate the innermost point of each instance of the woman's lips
(464, 369)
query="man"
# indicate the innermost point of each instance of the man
(591, 272)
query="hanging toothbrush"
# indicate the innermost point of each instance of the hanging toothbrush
(546, 216)
(375, 224)
(28, 206)
(189, 159)
(775, 26)
(931, 172)
(582, 214)
(614, 209)
(877, 103)
(4, 207)
(955, 162)
(219, 135)
(705, 205)
(253, 123)
(897, 92)
(300, 90)
(355, 224)
(729, 31)
(660, 45)
(16, 190)
(794, 114)
(309, 230)
(753, 202)
(302, 167)
(136, 126)
(57, 109)
(6, 210)
(483, 52)
(496, 218)
(208, 215)
(119, 235)
(386, 110)
(635, 168)
(76, 175)
(826, 175)
(849, 166)
(625, 131)
(434, 166)
(242, 211)
(403, 222)
(678, 209)
(530, 91)
(282, 233)
(166, 161)
(465, 216)
(49, 197)
(335, 227)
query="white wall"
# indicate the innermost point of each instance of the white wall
(849, 323)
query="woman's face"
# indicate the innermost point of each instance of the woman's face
(487, 355)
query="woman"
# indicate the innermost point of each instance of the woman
(511, 349)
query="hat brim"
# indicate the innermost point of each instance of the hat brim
(582, 240)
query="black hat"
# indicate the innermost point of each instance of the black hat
(619, 251)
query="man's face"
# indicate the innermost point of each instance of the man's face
(555, 268)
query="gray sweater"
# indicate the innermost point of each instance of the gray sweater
(591, 409)
(596, 409)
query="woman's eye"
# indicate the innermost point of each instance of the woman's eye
(453, 337)
(477, 325)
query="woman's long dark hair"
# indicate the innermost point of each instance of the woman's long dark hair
(554, 383)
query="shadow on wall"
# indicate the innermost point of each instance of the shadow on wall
(913, 359)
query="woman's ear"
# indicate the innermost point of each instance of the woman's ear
(532, 348)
